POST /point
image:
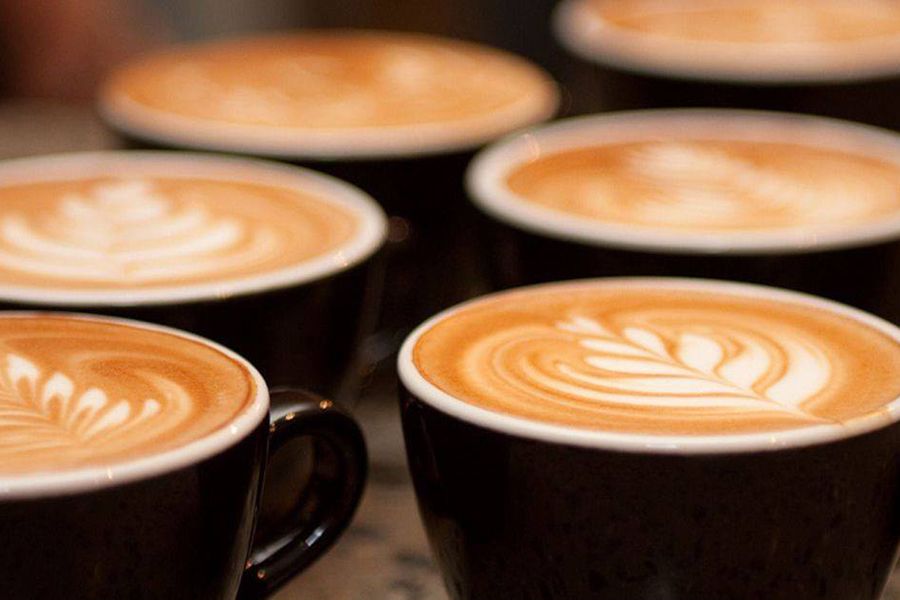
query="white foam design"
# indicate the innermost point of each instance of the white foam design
(704, 368)
(40, 409)
(128, 231)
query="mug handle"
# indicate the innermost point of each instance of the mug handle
(337, 488)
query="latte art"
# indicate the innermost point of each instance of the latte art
(77, 393)
(118, 226)
(697, 184)
(661, 360)
(310, 89)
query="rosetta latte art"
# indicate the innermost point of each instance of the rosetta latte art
(83, 392)
(126, 231)
(152, 231)
(48, 412)
(712, 185)
(659, 361)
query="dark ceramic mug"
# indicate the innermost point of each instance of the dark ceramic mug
(519, 508)
(622, 69)
(180, 524)
(528, 243)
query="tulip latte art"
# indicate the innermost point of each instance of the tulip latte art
(312, 84)
(639, 358)
(134, 227)
(689, 183)
(81, 392)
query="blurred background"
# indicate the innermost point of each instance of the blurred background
(60, 49)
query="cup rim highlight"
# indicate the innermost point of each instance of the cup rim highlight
(487, 190)
(520, 427)
(89, 479)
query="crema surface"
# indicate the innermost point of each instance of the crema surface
(684, 182)
(84, 393)
(660, 360)
(339, 81)
(137, 228)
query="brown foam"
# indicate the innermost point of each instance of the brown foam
(83, 393)
(683, 182)
(144, 229)
(755, 21)
(655, 360)
(331, 81)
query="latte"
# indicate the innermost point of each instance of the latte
(662, 358)
(86, 392)
(762, 40)
(329, 94)
(129, 228)
(697, 179)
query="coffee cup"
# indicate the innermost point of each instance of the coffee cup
(397, 114)
(794, 201)
(655, 438)
(132, 459)
(274, 261)
(836, 58)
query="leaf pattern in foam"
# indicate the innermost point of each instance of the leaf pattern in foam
(45, 411)
(701, 368)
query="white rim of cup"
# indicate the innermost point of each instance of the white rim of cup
(344, 144)
(586, 35)
(488, 170)
(368, 239)
(521, 427)
(89, 479)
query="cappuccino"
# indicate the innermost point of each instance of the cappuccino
(320, 94)
(743, 40)
(692, 180)
(121, 228)
(81, 392)
(662, 358)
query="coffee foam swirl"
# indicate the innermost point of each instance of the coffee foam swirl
(82, 393)
(693, 180)
(708, 185)
(743, 39)
(640, 359)
(340, 92)
(116, 224)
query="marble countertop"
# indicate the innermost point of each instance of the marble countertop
(384, 554)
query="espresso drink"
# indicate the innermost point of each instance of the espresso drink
(649, 438)
(317, 94)
(795, 48)
(84, 393)
(645, 359)
(131, 462)
(194, 241)
(705, 183)
(398, 114)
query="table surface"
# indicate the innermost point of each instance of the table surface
(384, 554)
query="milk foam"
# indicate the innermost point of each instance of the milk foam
(760, 40)
(77, 393)
(691, 180)
(318, 88)
(641, 359)
(109, 226)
